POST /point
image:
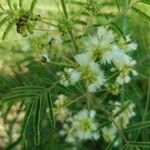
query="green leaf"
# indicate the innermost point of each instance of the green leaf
(118, 4)
(140, 144)
(142, 14)
(36, 123)
(77, 3)
(80, 22)
(18, 97)
(145, 1)
(4, 20)
(9, 27)
(27, 88)
(26, 120)
(33, 5)
(49, 101)
(137, 126)
(117, 29)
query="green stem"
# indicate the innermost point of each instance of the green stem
(147, 102)
(64, 8)
(61, 64)
(73, 40)
(69, 31)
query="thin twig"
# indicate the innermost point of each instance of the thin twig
(69, 31)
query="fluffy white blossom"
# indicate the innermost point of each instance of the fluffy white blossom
(90, 72)
(131, 45)
(82, 127)
(103, 46)
(61, 100)
(123, 63)
(109, 133)
(87, 70)
(74, 76)
(100, 49)
(100, 44)
(83, 59)
(61, 112)
(69, 76)
(84, 121)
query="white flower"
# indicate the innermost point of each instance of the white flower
(69, 132)
(83, 59)
(102, 38)
(69, 77)
(105, 35)
(124, 64)
(90, 72)
(61, 112)
(128, 38)
(128, 45)
(74, 76)
(132, 46)
(61, 100)
(100, 44)
(125, 67)
(112, 55)
(83, 127)
(63, 79)
(109, 133)
(122, 119)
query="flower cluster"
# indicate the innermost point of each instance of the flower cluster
(120, 121)
(69, 76)
(61, 112)
(81, 126)
(75, 127)
(105, 62)
(100, 50)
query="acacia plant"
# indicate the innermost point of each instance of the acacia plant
(75, 74)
